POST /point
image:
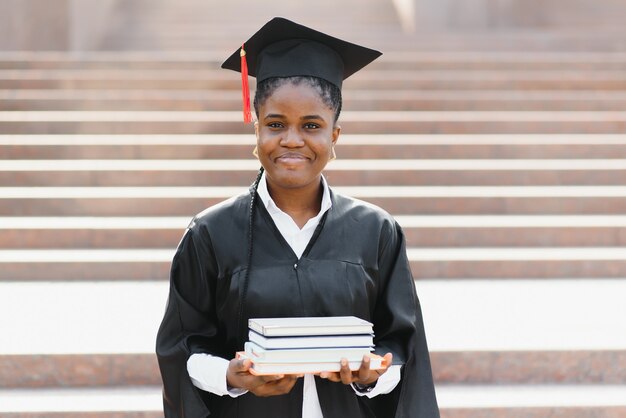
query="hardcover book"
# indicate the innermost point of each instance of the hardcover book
(297, 355)
(329, 325)
(260, 368)
(319, 341)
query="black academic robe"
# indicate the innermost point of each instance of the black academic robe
(355, 264)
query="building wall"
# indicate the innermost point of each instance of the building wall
(486, 14)
(54, 24)
(91, 20)
(77, 25)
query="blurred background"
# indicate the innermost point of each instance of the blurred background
(493, 130)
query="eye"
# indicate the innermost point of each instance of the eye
(311, 125)
(275, 125)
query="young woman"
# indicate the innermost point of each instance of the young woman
(292, 247)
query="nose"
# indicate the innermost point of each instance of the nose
(292, 138)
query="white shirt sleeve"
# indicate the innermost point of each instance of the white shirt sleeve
(385, 384)
(208, 373)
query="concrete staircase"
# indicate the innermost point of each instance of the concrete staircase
(506, 169)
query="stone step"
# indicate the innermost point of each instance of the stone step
(371, 122)
(182, 100)
(368, 176)
(510, 326)
(131, 402)
(409, 59)
(459, 40)
(420, 231)
(434, 237)
(572, 401)
(371, 75)
(344, 172)
(186, 206)
(360, 192)
(533, 40)
(477, 315)
(588, 318)
(414, 221)
(455, 401)
(439, 146)
(449, 367)
(251, 165)
(94, 103)
(509, 263)
(151, 264)
(381, 14)
(94, 370)
(370, 79)
(528, 367)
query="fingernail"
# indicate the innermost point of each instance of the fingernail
(344, 363)
(323, 375)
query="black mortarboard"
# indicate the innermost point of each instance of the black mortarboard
(282, 48)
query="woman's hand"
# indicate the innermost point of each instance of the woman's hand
(239, 376)
(363, 376)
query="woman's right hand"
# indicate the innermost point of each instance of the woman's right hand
(239, 376)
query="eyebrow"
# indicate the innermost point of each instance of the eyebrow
(273, 116)
(312, 117)
(307, 117)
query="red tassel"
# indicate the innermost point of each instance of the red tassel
(245, 87)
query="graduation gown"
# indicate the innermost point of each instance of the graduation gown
(355, 264)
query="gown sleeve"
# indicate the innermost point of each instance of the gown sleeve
(399, 329)
(189, 325)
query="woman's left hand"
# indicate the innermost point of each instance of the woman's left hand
(363, 376)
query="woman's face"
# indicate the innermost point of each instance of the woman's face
(295, 134)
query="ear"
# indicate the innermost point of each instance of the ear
(335, 135)
(256, 129)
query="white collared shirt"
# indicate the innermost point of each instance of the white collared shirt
(209, 373)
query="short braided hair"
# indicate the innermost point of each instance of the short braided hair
(328, 92)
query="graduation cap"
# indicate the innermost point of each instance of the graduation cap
(282, 48)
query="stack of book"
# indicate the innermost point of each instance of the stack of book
(308, 344)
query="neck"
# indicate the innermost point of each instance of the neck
(302, 203)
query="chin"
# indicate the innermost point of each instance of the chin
(294, 184)
(291, 181)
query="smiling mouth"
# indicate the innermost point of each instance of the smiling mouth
(291, 158)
